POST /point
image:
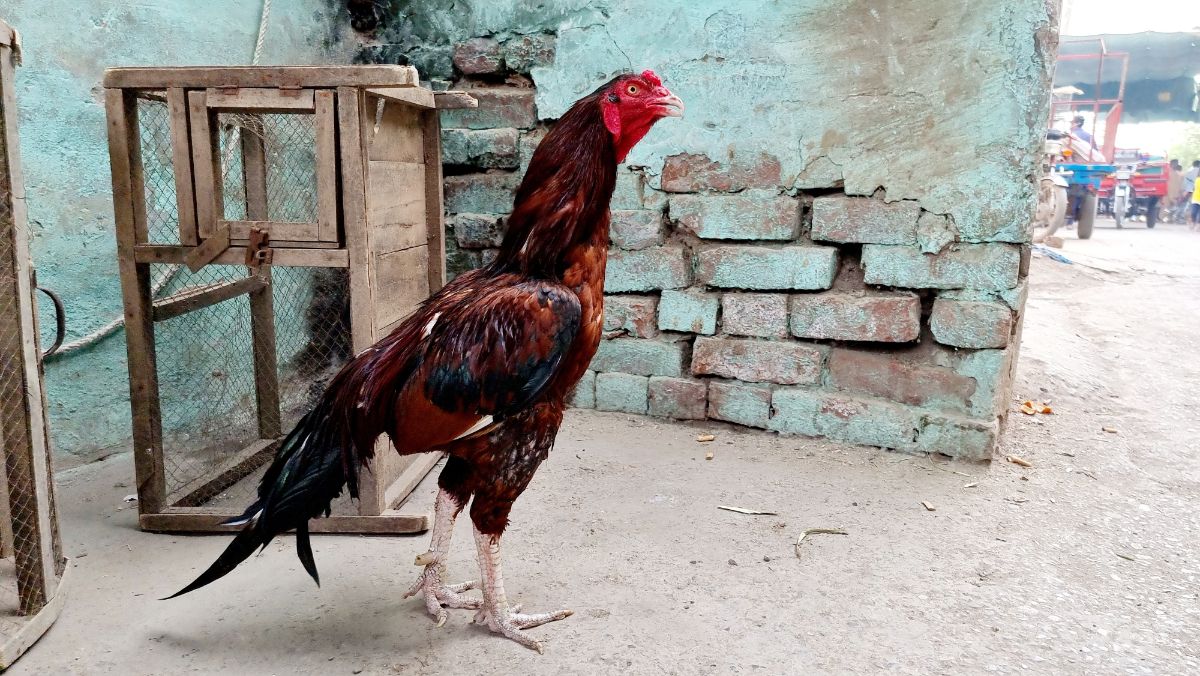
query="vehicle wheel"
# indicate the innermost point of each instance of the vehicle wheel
(1087, 216)
(1152, 212)
(1119, 211)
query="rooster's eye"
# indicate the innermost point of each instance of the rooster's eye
(632, 89)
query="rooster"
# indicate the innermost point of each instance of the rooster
(481, 370)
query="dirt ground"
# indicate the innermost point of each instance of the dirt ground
(1085, 563)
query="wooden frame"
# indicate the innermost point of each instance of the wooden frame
(379, 206)
(30, 530)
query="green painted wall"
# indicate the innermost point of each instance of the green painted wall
(67, 46)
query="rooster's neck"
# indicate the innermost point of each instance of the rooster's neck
(562, 203)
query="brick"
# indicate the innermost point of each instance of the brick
(851, 315)
(859, 420)
(688, 311)
(639, 356)
(864, 219)
(752, 214)
(478, 231)
(992, 373)
(526, 147)
(621, 392)
(528, 51)
(629, 191)
(677, 398)
(459, 260)
(741, 403)
(485, 148)
(973, 324)
(884, 374)
(636, 229)
(977, 266)
(637, 316)
(486, 256)
(478, 56)
(935, 232)
(498, 107)
(757, 361)
(490, 193)
(766, 268)
(660, 267)
(585, 392)
(686, 172)
(958, 437)
(762, 315)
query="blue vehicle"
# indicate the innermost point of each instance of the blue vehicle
(1083, 182)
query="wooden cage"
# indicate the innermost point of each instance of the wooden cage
(33, 570)
(271, 222)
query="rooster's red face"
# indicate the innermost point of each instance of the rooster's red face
(632, 104)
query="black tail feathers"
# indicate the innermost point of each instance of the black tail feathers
(314, 462)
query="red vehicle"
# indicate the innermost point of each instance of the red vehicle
(1147, 178)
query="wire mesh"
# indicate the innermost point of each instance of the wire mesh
(28, 532)
(154, 130)
(289, 153)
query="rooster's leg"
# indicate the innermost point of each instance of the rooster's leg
(496, 613)
(438, 595)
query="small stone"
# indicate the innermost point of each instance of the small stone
(732, 562)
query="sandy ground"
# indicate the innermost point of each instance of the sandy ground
(1085, 563)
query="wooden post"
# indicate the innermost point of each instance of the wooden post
(354, 216)
(262, 301)
(128, 202)
(181, 164)
(431, 133)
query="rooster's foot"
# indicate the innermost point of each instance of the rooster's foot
(440, 596)
(510, 623)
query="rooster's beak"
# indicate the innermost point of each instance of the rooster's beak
(670, 105)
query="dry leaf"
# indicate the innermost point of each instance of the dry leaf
(928, 506)
(705, 437)
(1027, 408)
(973, 484)
(743, 510)
(708, 456)
(1018, 460)
(1046, 410)
(1110, 430)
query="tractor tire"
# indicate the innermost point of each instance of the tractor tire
(1152, 212)
(1087, 216)
(1119, 211)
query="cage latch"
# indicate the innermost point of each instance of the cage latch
(258, 251)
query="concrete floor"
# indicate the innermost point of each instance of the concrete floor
(1085, 563)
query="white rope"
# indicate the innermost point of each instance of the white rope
(159, 284)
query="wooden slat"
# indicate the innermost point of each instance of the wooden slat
(402, 282)
(197, 297)
(214, 243)
(266, 364)
(397, 137)
(181, 162)
(241, 464)
(7, 34)
(326, 169)
(206, 165)
(431, 135)
(135, 289)
(259, 100)
(396, 205)
(15, 644)
(236, 255)
(354, 217)
(409, 96)
(196, 519)
(254, 172)
(376, 478)
(281, 231)
(418, 466)
(262, 76)
(454, 99)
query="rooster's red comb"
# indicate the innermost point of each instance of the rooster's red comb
(649, 76)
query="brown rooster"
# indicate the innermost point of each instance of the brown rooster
(481, 370)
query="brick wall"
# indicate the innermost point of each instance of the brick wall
(731, 298)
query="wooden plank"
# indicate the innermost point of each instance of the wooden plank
(431, 135)
(16, 644)
(236, 255)
(417, 97)
(281, 231)
(266, 364)
(397, 136)
(201, 519)
(206, 165)
(326, 169)
(254, 172)
(238, 466)
(135, 289)
(214, 243)
(402, 282)
(181, 162)
(375, 479)
(197, 297)
(354, 218)
(7, 34)
(419, 465)
(262, 76)
(396, 205)
(454, 99)
(259, 100)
